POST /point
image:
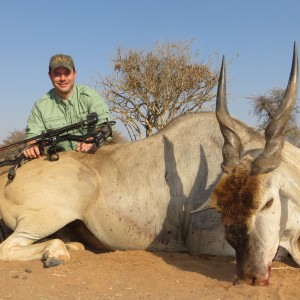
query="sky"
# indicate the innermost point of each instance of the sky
(256, 36)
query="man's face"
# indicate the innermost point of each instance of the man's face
(63, 81)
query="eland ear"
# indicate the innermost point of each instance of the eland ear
(291, 245)
(206, 205)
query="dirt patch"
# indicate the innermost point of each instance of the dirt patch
(141, 275)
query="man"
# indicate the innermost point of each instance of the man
(65, 104)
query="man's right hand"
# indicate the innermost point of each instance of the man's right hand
(32, 152)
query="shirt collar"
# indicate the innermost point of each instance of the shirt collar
(64, 101)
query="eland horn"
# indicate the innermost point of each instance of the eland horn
(232, 144)
(270, 158)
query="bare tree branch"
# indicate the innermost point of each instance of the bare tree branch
(265, 107)
(148, 89)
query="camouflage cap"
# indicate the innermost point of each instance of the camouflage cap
(61, 60)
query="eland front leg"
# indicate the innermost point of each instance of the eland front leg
(34, 238)
(20, 246)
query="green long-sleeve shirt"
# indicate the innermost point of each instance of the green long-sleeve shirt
(50, 112)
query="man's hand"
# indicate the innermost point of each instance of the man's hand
(86, 148)
(32, 152)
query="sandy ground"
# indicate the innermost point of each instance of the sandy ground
(141, 275)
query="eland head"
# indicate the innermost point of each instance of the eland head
(258, 193)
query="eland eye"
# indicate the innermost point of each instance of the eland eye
(268, 204)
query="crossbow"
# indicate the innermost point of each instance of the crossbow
(51, 138)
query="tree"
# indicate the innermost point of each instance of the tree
(265, 107)
(148, 89)
(13, 137)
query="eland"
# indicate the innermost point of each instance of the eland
(139, 195)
